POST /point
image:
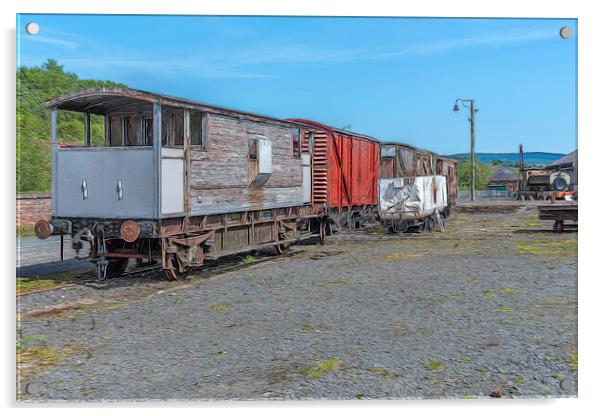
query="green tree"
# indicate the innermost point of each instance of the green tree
(35, 85)
(482, 178)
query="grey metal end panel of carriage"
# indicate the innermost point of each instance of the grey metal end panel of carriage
(158, 179)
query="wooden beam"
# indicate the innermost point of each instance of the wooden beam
(54, 150)
(87, 129)
(157, 158)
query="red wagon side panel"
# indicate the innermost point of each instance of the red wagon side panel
(347, 164)
(353, 179)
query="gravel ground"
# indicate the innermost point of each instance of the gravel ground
(488, 307)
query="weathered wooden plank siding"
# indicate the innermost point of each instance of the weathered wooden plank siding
(220, 175)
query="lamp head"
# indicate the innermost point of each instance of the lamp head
(456, 108)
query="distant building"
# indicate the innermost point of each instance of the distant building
(566, 164)
(503, 179)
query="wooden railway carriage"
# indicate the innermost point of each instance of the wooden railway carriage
(177, 181)
(413, 189)
(447, 167)
(344, 174)
(401, 160)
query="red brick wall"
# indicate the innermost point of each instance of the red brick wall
(32, 207)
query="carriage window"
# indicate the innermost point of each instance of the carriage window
(133, 131)
(148, 131)
(172, 130)
(198, 130)
(296, 143)
(116, 131)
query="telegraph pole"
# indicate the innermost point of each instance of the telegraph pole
(473, 165)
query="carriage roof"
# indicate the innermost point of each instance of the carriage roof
(103, 100)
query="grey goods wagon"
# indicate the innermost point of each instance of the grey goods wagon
(176, 182)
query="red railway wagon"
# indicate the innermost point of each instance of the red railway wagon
(345, 170)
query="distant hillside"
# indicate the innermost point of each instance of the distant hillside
(510, 159)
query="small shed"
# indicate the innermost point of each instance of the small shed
(503, 179)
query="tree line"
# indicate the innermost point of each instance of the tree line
(35, 85)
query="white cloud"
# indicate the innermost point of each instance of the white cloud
(52, 40)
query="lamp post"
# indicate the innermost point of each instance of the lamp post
(473, 166)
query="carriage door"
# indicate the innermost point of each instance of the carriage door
(175, 142)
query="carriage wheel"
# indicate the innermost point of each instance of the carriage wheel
(280, 249)
(322, 231)
(429, 224)
(116, 267)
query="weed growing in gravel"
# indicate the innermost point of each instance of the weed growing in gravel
(434, 365)
(519, 380)
(218, 307)
(380, 371)
(30, 284)
(322, 367)
(548, 247)
(177, 298)
(307, 328)
(490, 294)
(511, 291)
(471, 279)
(41, 358)
(504, 309)
(399, 256)
(249, 260)
(573, 360)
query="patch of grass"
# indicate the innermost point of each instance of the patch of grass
(307, 328)
(25, 230)
(511, 291)
(490, 294)
(380, 371)
(322, 367)
(399, 256)
(559, 377)
(249, 260)
(34, 283)
(177, 298)
(519, 380)
(41, 358)
(434, 365)
(573, 360)
(218, 307)
(548, 247)
(471, 279)
(504, 309)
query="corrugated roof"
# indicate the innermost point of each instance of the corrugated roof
(564, 161)
(503, 175)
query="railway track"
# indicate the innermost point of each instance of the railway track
(154, 274)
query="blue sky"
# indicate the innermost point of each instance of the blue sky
(392, 78)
